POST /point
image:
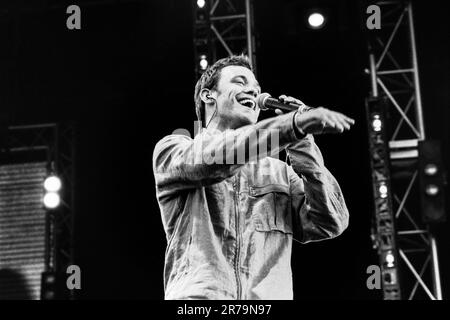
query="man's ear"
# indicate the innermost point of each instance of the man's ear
(205, 95)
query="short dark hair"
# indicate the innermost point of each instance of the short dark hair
(210, 78)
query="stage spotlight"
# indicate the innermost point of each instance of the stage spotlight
(390, 259)
(316, 20)
(383, 190)
(376, 123)
(49, 279)
(432, 181)
(48, 286)
(201, 3)
(51, 200)
(52, 183)
(430, 169)
(203, 62)
(431, 190)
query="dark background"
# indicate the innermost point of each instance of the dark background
(127, 78)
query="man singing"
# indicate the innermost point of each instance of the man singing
(230, 224)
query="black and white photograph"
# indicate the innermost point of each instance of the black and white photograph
(254, 150)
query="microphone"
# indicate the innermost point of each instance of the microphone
(266, 102)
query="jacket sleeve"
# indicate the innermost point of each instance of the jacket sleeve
(180, 162)
(319, 209)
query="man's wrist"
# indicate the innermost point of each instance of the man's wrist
(299, 133)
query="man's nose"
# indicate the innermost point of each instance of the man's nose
(252, 91)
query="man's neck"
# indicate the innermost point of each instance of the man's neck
(217, 125)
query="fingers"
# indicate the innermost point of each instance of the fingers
(344, 120)
(327, 121)
(336, 122)
(338, 125)
(287, 99)
(330, 126)
(339, 120)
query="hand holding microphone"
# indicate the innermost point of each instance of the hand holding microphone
(308, 120)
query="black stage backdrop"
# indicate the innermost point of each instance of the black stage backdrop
(127, 78)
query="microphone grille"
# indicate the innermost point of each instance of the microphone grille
(261, 100)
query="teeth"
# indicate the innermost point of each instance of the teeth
(251, 102)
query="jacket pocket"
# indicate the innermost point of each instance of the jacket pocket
(272, 208)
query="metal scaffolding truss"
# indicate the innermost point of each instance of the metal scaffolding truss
(55, 142)
(395, 78)
(222, 28)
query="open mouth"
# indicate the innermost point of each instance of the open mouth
(246, 102)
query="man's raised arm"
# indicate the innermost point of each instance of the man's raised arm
(180, 162)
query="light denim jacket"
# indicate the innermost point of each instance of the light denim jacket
(230, 227)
